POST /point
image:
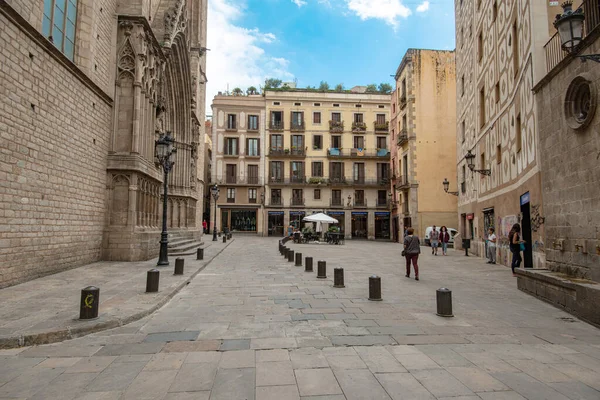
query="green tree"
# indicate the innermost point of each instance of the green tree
(324, 86)
(272, 83)
(339, 87)
(251, 90)
(385, 88)
(237, 91)
(372, 88)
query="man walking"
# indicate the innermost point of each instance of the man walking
(491, 246)
(434, 238)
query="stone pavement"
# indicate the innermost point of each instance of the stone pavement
(253, 326)
(46, 310)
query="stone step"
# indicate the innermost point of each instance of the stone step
(186, 250)
(179, 243)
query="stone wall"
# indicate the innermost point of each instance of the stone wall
(55, 128)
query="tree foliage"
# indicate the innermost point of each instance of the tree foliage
(339, 87)
(324, 86)
(272, 83)
(372, 88)
(385, 88)
(237, 91)
(251, 90)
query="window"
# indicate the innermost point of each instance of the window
(494, 11)
(463, 184)
(381, 118)
(231, 195)
(297, 171)
(231, 121)
(404, 123)
(317, 104)
(462, 37)
(478, 4)
(298, 144)
(317, 117)
(336, 171)
(253, 147)
(59, 24)
(297, 119)
(275, 196)
(463, 131)
(276, 103)
(297, 197)
(358, 105)
(359, 142)
(317, 194)
(297, 104)
(317, 169)
(462, 85)
(498, 154)
(359, 197)
(276, 142)
(317, 142)
(253, 174)
(482, 107)
(381, 106)
(497, 92)
(518, 133)
(252, 195)
(381, 142)
(336, 117)
(383, 171)
(358, 172)
(336, 197)
(252, 122)
(230, 175)
(358, 117)
(515, 44)
(336, 142)
(231, 146)
(336, 105)
(276, 120)
(480, 46)
(403, 95)
(382, 197)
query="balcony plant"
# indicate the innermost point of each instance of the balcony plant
(382, 127)
(287, 151)
(359, 127)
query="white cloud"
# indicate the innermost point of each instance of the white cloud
(423, 6)
(387, 10)
(299, 3)
(238, 57)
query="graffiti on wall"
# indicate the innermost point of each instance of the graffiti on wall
(536, 219)
(507, 223)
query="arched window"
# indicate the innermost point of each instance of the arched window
(58, 24)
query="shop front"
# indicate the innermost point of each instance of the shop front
(359, 224)
(382, 225)
(296, 218)
(341, 217)
(276, 227)
(239, 220)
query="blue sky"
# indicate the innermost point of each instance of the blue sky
(354, 42)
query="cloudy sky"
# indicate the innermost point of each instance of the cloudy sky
(353, 42)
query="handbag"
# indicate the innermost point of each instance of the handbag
(522, 246)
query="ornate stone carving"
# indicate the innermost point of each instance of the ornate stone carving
(126, 63)
(175, 22)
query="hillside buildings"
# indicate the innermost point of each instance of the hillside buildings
(423, 140)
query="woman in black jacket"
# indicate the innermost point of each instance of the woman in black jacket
(515, 241)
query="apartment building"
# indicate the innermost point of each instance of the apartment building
(307, 152)
(238, 134)
(423, 139)
(499, 57)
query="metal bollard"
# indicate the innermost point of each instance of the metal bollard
(298, 259)
(338, 278)
(200, 254)
(321, 269)
(230, 235)
(179, 266)
(224, 238)
(308, 264)
(285, 252)
(152, 280)
(444, 302)
(290, 255)
(374, 288)
(90, 298)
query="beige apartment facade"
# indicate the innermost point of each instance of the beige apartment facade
(90, 85)
(499, 57)
(423, 139)
(238, 137)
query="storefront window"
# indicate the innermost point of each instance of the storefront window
(359, 225)
(382, 225)
(243, 220)
(340, 216)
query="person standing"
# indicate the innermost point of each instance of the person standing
(515, 241)
(434, 237)
(491, 246)
(444, 239)
(412, 249)
(204, 226)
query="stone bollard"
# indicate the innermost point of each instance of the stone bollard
(224, 238)
(298, 259)
(290, 255)
(308, 264)
(444, 302)
(179, 266)
(152, 281)
(321, 269)
(285, 252)
(374, 288)
(90, 298)
(338, 278)
(200, 254)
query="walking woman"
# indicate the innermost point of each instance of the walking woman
(444, 239)
(412, 249)
(514, 238)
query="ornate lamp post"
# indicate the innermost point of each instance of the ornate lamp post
(570, 30)
(165, 153)
(446, 187)
(215, 194)
(470, 157)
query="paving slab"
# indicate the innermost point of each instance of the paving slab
(235, 383)
(441, 383)
(317, 382)
(288, 392)
(403, 386)
(275, 373)
(171, 336)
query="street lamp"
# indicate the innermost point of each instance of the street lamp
(165, 153)
(447, 186)
(570, 30)
(215, 194)
(470, 157)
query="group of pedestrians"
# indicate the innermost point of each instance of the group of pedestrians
(439, 239)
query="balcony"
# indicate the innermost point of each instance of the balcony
(253, 180)
(336, 127)
(296, 180)
(554, 52)
(287, 153)
(276, 203)
(359, 127)
(297, 201)
(317, 181)
(230, 154)
(336, 202)
(370, 182)
(276, 126)
(231, 180)
(337, 180)
(231, 200)
(403, 100)
(231, 128)
(402, 137)
(360, 203)
(297, 127)
(383, 203)
(382, 127)
(403, 182)
(381, 154)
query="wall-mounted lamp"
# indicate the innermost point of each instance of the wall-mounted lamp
(446, 186)
(570, 30)
(470, 157)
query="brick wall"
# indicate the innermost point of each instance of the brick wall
(54, 140)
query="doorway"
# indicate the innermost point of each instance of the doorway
(526, 230)
(276, 223)
(395, 222)
(359, 225)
